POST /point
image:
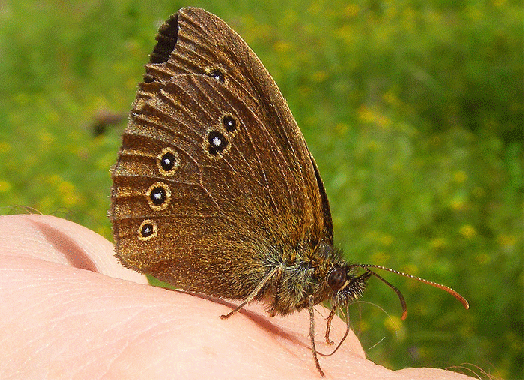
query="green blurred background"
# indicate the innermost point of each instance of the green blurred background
(412, 109)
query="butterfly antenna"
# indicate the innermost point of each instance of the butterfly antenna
(399, 294)
(447, 289)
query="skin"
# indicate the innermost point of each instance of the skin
(71, 311)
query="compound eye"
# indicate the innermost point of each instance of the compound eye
(337, 278)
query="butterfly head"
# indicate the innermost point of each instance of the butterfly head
(346, 283)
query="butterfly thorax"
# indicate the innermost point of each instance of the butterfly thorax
(300, 274)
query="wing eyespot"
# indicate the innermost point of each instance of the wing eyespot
(147, 230)
(158, 196)
(168, 161)
(216, 143)
(216, 73)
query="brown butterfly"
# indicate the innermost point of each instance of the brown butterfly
(215, 190)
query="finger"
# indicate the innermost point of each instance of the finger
(60, 241)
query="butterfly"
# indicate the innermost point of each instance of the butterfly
(215, 190)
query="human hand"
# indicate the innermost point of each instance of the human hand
(70, 310)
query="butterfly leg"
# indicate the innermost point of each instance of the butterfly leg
(253, 294)
(328, 327)
(312, 334)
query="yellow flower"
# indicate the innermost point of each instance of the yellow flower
(345, 33)
(438, 243)
(379, 258)
(341, 128)
(281, 46)
(393, 323)
(506, 241)
(365, 114)
(4, 186)
(411, 269)
(69, 193)
(384, 122)
(46, 138)
(468, 231)
(458, 203)
(4, 147)
(351, 10)
(386, 240)
(391, 12)
(460, 176)
(319, 76)
(54, 179)
(363, 325)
